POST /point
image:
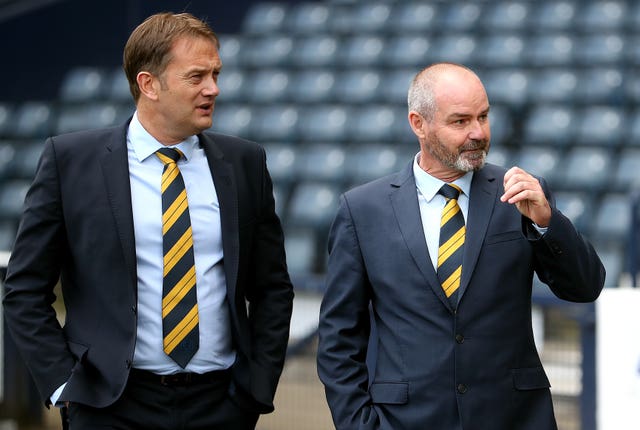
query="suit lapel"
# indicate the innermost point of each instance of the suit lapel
(115, 169)
(483, 192)
(404, 200)
(225, 185)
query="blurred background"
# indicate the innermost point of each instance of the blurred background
(322, 85)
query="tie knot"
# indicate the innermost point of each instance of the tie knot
(450, 191)
(169, 155)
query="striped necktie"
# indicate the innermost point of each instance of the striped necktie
(452, 231)
(179, 301)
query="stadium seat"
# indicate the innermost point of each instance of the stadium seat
(233, 83)
(33, 120)
(375, 123)
(626, 176)
(264, 18)
(311, 86)
(539, 160)
(281, 162)
(633, 129)
(12, 194)
(499, 50)
(613, 217)
(456, 48)
(396, 84)
(407, 50)
(597, 16)
(267, 85)
(547, 50)
(601, 125)
(95, 115)
(268, 50)
(599, 50)
(313, 204)
(506, 86)
(233, 119)
(367, 162)
(275, 122)
(25, 159)
(578, 207)
(552, 16)
(357, 86)
(359, 18)
(458, 16)
(302, 250)
(232, 49)
(321, 162)
(600, 86)
(7, 154)
(307, 18)
(316, 50)
(505, 16)
(117, 87)
(502, 125)
(323, 123)
(413, 17)
(552, 86)
(585, 168)
(549, 124)
(82, 84)
(361, 50)
(8, 232)
(500, 156)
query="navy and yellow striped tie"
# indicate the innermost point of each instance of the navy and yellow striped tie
(181, 337)
(452, 232)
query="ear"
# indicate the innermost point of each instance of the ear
(417, 123)
(148, 85)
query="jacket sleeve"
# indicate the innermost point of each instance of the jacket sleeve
(344, 326)
(32, 273)
(565, 260)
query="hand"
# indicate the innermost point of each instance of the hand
(523, 190)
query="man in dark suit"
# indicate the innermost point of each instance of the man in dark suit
(169, 252)
(450, 350)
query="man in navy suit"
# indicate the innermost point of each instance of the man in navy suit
(94, 220)
(396, 350)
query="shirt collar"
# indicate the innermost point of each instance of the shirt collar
(144, 144)
(429, 185)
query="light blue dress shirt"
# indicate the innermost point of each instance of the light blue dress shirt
(145, 172)
(431, 204)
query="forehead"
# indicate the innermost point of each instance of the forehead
(461, 94)
(194, 49)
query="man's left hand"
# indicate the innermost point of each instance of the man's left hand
(523, 190)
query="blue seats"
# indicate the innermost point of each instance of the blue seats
(601, 125)
(586, 168)
(407, 50)
(368, 162)
(505, 16)
(324, 162)
(302, 250)
(375, 123)
(316, 50)
(553, 16)
(550, 124)
(233, 83)
(417, 17)
(552, 86)
(506, 86)
(539, 160)
(232, 49)
(613, 218)
(313, 204)
(578, 207)
(33, 120)
(307, 18)
(281, 162)
(275, 122)
(457, 48)
(12, 194)
(361, 50)
(547, 50)
(268, 50)
(323, 123)
(357, 86)
(597, 16)
(312, 86)
(600, 85)
(264, 18)
(626, 176)
(599, 49)
(458, 16)
(233, 119)
(82, 84)
(268, 85)
(95, 115)
(6, 117)
(365, 17)
(499, 50)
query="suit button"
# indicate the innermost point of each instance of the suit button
(461, 388)
(459, 338)
(134, 309)
(127, 363)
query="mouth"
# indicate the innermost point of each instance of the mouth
(205, 108)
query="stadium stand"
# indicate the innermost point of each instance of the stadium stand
(323, 86)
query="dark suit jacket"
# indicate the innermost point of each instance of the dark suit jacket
(78, 226)
(431, 367)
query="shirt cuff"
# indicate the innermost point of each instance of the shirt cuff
(56, 395)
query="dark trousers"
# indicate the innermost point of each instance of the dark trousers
(148, 404)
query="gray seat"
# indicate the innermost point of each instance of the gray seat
(371, 161)
(321, 162)
(313, 204)
(599, 50)
(233, 119)
(626, 174)
(323, 123)
(6, 118)
(117, 87)
(601, 125)
(552, 85)
(33, 120)
(317, 50)
(12, 194)
(597, 16)
(541, 161)
(307, 18)
(546, 50)
(553, 16)
(83, 84)
(613, 217)
(361, 50)
(586, 168)
(268, 50)
(357, 86)
(506, 86)
(232, 49)
(407, 50)
(505, 16)
(267, 85)
(375, 123)
(550, 124)
(275, 122)
(95, 115)
(419, 17)
(359, 18)
(457, 48)
(264, 18)
(281, 162)
(499, 50)
(302, 250)
(600, 85)
(312, 86)
(578, 207)
(459, 16)
(232, 83)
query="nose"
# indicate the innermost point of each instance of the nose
(479, 130)
(211, 88)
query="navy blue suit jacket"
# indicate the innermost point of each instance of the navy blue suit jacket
(430, 366)
(78, 227)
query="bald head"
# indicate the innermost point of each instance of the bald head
(434, 80)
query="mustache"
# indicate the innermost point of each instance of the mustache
(474, 145)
